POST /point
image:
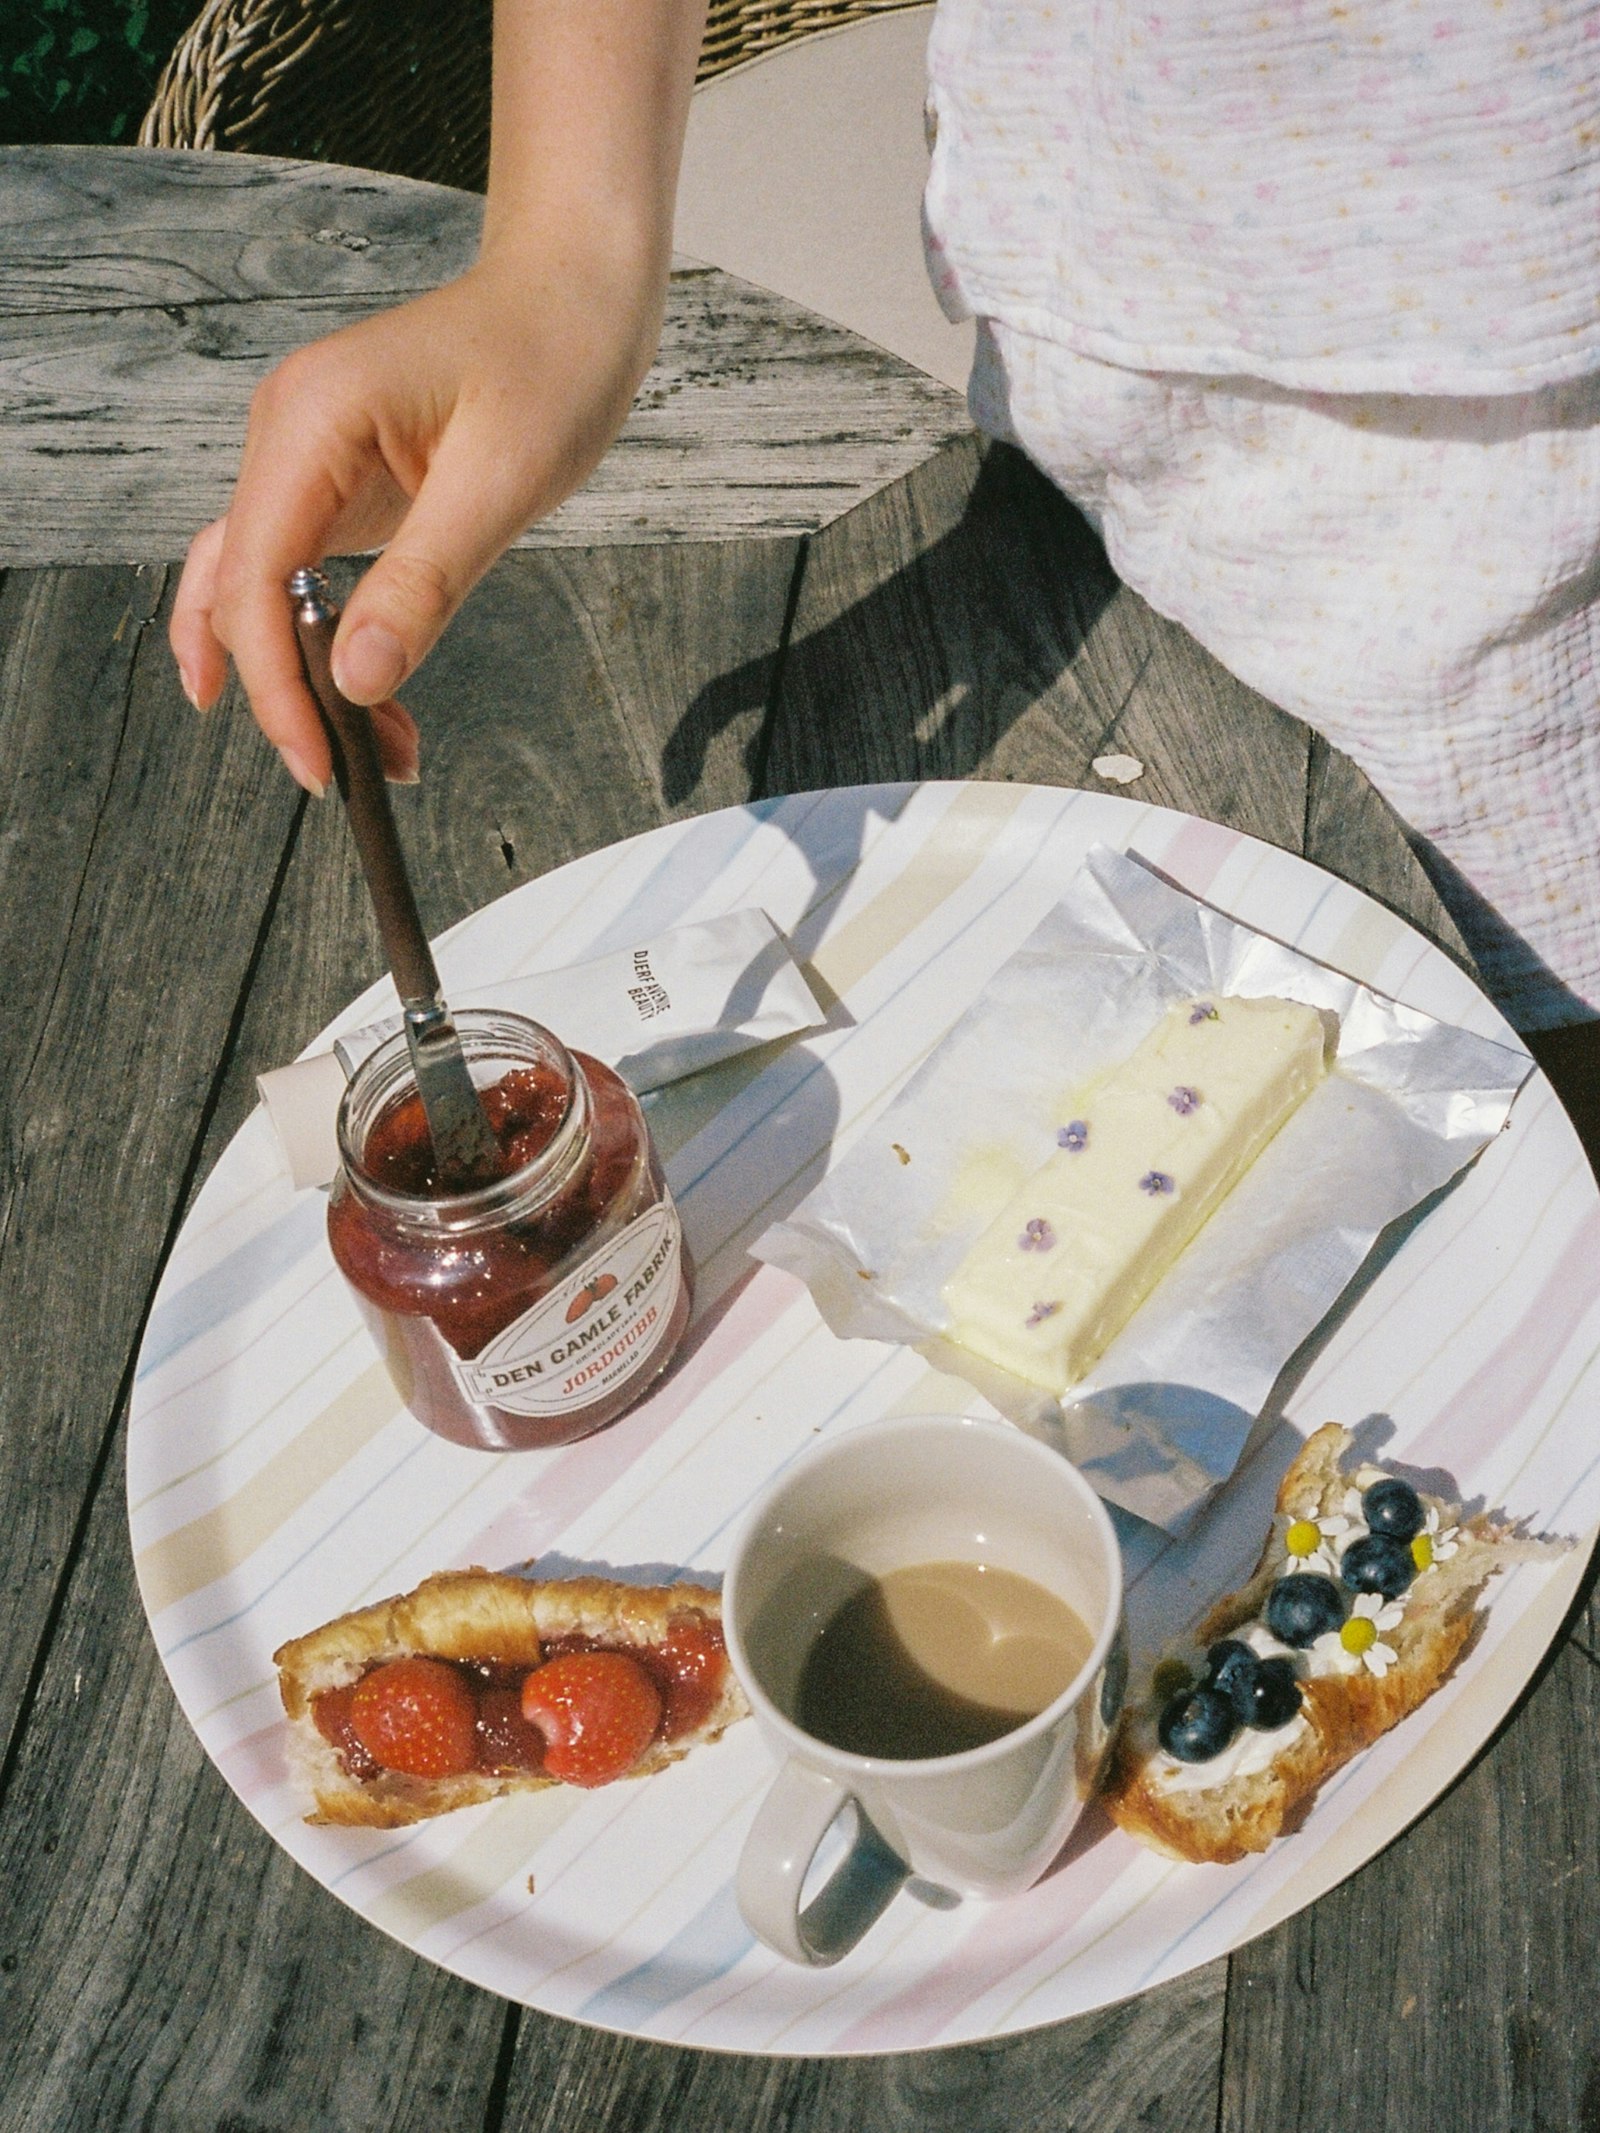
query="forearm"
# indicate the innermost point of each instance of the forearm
(439, 430)
(590, 102)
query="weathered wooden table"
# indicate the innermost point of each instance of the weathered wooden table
(797, 569)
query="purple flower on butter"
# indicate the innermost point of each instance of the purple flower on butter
(1202, 1011)
(1040, 1312)
(1038, 1236)
(1184, 1101)
(1074, 1138)
(1155, 1182)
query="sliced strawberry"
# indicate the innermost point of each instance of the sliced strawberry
(598, 1712)
(330, 1713)
(506, 1741)
(416, 1716)
(694, 1664)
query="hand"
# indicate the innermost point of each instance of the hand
(441, 429)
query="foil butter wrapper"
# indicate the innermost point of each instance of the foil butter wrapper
(1161, 1419)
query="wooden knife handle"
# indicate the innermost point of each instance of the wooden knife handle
(358, 772)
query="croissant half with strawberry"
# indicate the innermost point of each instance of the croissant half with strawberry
(479, 1684)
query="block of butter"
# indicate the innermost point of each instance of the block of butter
(1145, 1154)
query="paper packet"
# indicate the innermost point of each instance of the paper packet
(689, 998)
(1161, 1419)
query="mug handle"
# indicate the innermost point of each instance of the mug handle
(790, 1823)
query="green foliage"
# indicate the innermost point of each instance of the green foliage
(83, 70)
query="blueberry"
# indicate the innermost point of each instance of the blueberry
(1274, 1695)
(1197, 1724)
(1231, 1667)
(1378, 1563)
(1303, 1607)
(1393, 1507)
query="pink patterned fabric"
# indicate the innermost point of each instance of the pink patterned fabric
(1301, 304)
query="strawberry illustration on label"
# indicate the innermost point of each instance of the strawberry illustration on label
(601, 1326)
(589, 1295)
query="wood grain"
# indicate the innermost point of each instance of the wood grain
(966, 622)
(1444, 1983)
(147, 292)
(1149, 2063)
(1209, 745)
(128, 832)
(1354, 832)
(164, 1964)
(103, 229)
(959, 620)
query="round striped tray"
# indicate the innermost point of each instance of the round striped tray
(275, 1481)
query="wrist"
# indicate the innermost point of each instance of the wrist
(539, 236)
(590, 298)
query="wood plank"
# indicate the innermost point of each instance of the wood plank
(169, 1966)
(1152, 2062)
(1354, 832)
(1450, 1982)
(67, 643)
(100, 229)
(963, 620)
(128, 832)
(967, 623)
(163, 1965)
(1209, 745)
(127, 363)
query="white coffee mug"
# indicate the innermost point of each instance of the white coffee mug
(985, 1821)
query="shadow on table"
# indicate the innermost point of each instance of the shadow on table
(922, 672)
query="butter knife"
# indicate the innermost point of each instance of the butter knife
(465, 1149)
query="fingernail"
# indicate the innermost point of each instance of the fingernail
(296, 767)
(409, 776)
(371, 665)
(190, 690)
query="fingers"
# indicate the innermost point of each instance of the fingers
(202, 655)
(311, 473)
(202, 667)
(202, 658)
(472, 504)
(390, 625)
(202, 661)
(284, 506)
(373, 436)
(398, 743)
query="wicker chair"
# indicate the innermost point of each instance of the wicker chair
(392, 85)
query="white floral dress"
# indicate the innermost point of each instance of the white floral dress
(1301, 303)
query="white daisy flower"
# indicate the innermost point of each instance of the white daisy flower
(1316, 1544)
(1362, 1635)
(1355, 1516)
(1435, 1543)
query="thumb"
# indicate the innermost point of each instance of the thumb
(462, 519)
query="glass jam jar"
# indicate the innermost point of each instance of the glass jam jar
(533, 1310)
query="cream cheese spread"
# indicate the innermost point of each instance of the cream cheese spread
(1246, 1755)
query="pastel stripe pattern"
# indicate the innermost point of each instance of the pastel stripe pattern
(274, 1479)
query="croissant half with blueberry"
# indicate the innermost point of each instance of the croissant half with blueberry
(480, 1683)
(1362, 1603)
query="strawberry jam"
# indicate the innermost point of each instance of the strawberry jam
(688, 1667)
(536, 1308)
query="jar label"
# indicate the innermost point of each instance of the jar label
(591, 1333)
